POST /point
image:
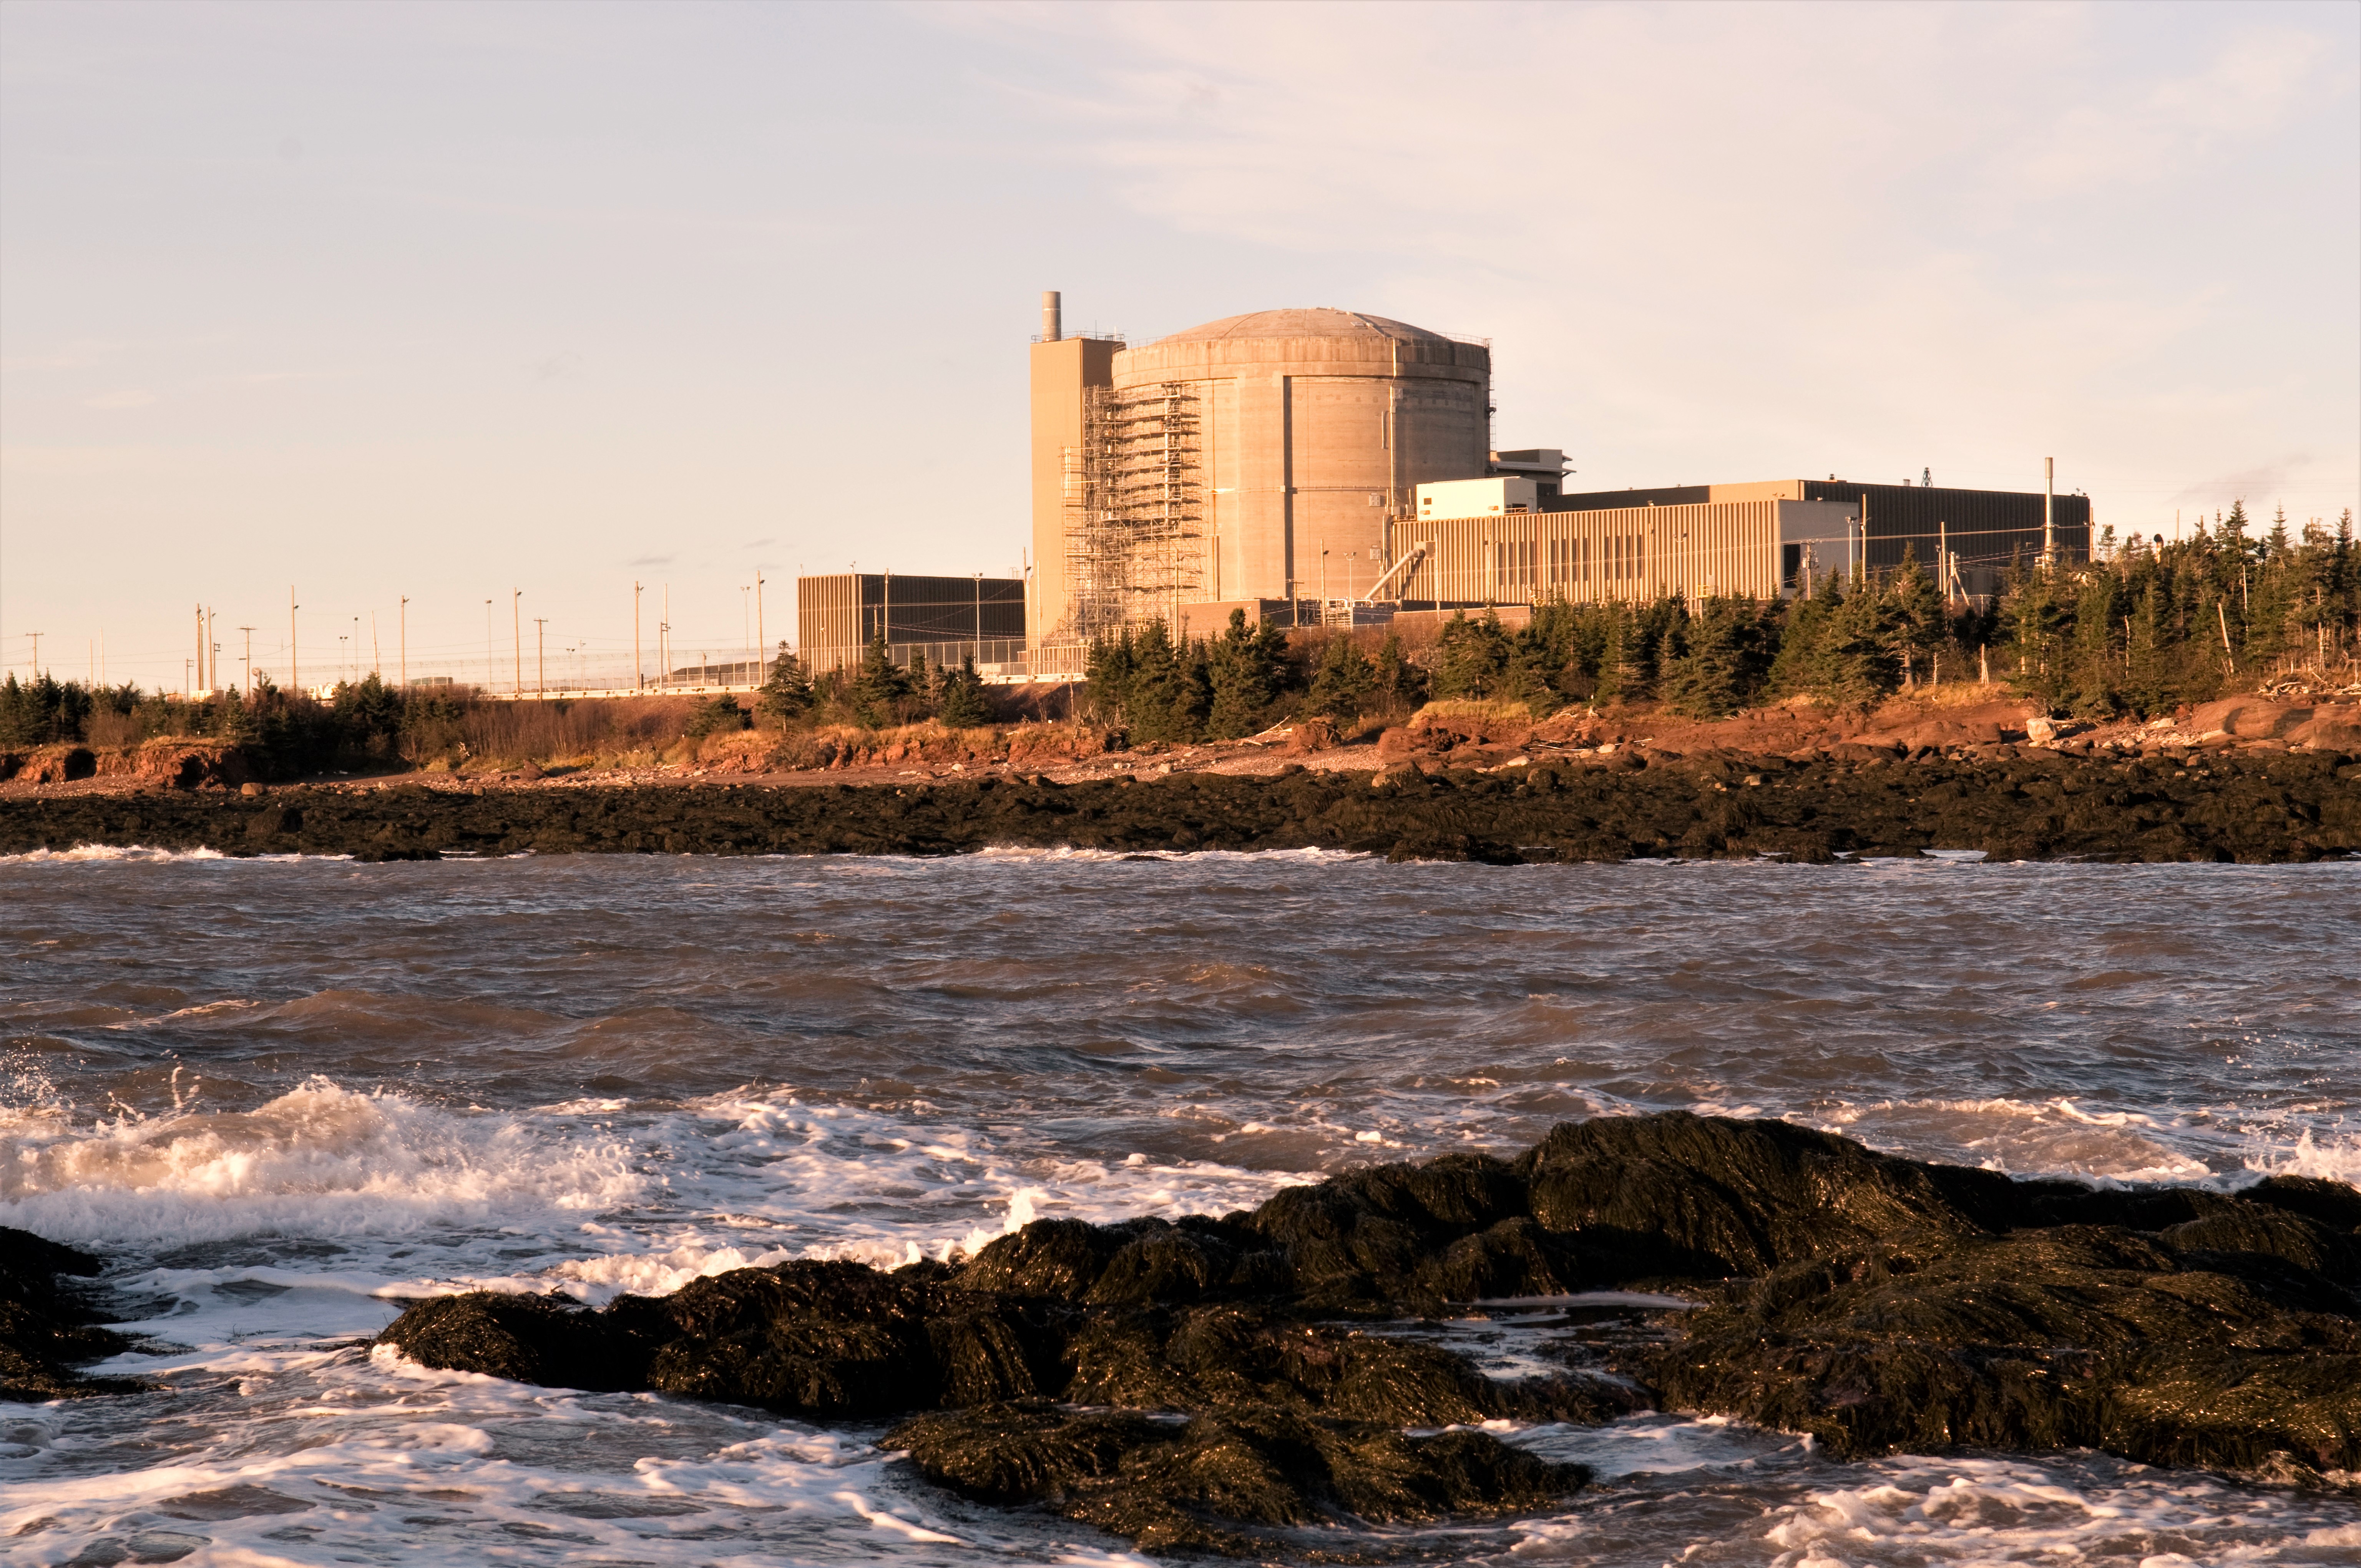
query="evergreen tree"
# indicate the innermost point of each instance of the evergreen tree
(2095, 681)
(786, 695)
(1192, 700)
(965, 705)
(1345, 682)
(1708, 678)
(881, 689)
(1472, 658)
(2038, 614)
(1157, 708)
(926, 689)
(1395, 682)
(1857, 662)
(1916, 607)
(1106, 676)
(1798, 668)
(1623, 662)
(720, 714)
(1242, 668)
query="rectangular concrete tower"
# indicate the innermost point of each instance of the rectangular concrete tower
(1064, 369)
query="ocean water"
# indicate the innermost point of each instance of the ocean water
(284, 1096)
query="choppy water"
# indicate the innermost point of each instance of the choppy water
(283, 1096)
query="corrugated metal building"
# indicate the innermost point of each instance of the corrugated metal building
(1760, 547)
(948, 618)
(1984, 530)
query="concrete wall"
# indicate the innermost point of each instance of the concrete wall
(1061, 372)
(1317, 427)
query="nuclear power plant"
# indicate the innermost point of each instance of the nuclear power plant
(1320, 467)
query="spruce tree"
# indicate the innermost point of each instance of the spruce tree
(1916, 607)
(1106, 676)
(1193, 699)
(1343, 683)
(1857, 663)
(880, 689)
(786, 695)
(1241, 666)
(1155, 708)
(1708, 678)
(1398, 683)
(1471, 658)
(963, 705)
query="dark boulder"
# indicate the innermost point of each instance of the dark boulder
(1227, 1482)
(1212, 1383)
(48, 1326)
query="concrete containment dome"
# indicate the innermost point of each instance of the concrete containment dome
(1322, 322)
(1312, 429)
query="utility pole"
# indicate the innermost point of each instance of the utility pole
(249, 659)
(516, 614)
(664, 641)
(761, 648)
(405, 642)
(192, 674)
(294, 672)
(491, 665)
(213, 650)
(377, 662)
(539, 655)
(638, 679)
(356, 650)
(37, 653)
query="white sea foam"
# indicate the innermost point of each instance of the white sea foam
(109, 854)
(369, 1457)
(2027, 1137)
(1911, 1512)
(320, 1160)
(2336, 1157)
(1068, 854)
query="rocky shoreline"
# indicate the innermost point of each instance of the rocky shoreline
(1219, 1384)
(2010, 801)
(1256, 1383)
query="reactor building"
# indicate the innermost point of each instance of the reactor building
(1331, 468)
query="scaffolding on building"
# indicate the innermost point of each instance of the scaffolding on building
(1134, 511)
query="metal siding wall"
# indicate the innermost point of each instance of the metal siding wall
(1635, 552)
(836, 616)
(1985, 528)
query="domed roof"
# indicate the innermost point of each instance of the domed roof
(1321, 322)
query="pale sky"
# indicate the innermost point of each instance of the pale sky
(450, 299)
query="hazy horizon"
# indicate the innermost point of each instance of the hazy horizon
(448, 301)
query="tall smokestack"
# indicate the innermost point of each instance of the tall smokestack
(2048, 526)
(1051, 331)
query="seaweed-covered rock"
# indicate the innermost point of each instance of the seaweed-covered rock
(48, 1327)
(1224, 1482)
(1204, 1383)
(2069, 1337)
